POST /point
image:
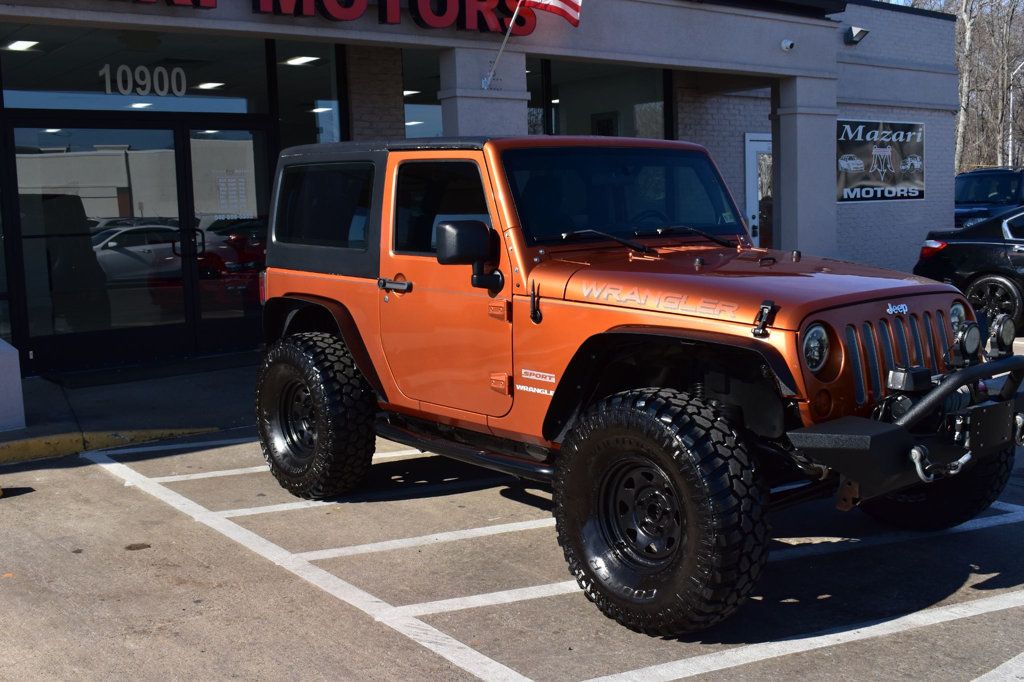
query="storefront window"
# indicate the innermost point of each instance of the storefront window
(59, 67)
(597, 99)
(308, 101)
(536, 109)
(421, 81)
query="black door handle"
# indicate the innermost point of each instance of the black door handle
(392, 285)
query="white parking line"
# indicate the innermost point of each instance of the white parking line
(478, 600)
(807, 550)
(461, 655)
(1007, 507)
(1013, 669)
(753, 653)
(199, 445)
(401, 493)
(436, 538)
(211, 474)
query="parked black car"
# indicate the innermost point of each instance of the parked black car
(985, 261)
(986, 192)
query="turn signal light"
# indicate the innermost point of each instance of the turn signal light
(932, 247)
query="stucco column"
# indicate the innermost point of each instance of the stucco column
(804, 151)
(468, 109)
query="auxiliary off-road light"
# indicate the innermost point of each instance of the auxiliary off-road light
(1003, 334)
(816, 347)
(968, 340)
(957, 316)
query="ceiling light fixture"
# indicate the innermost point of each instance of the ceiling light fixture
(556, 101)
(140, 105)
(209, 132)
(22, 45)
(299, 61)
(408, 93)
(53, 131)
(321, 110)
(209, 86)
(414, 123)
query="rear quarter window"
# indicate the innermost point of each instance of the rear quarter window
(325, 205)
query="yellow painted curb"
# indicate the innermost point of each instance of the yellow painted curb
(63, 444)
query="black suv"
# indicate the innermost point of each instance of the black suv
(983, 193)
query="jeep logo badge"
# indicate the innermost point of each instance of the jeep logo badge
(898, 309)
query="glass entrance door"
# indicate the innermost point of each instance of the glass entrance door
(101, 243)
(230, 197)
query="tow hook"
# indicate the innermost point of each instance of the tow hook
(929, 472)
(1018, 432)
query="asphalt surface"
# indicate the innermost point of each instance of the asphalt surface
(187, 560)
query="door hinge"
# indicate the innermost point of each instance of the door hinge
(501, 382)
(500, 310)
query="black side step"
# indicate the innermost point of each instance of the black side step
(521, 468)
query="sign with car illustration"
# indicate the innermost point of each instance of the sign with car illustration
(879, 161)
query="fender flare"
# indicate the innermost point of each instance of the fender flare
(280, 315)
(560, 411)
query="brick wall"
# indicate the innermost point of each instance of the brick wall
(720, 123)
(375, 101)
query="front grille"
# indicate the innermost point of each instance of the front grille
(875, 347)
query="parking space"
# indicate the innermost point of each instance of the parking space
(461, 566)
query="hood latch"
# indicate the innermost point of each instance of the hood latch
(763, 319)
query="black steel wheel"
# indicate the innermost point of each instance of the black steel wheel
(315, 416)
(660, 512)
(994, 295)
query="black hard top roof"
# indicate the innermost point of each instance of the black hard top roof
(389, 145)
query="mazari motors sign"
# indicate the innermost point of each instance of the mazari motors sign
(878, 161)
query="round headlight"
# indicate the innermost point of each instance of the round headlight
(816, 348)
(1004, 332)
(957, 316)
(969, 339)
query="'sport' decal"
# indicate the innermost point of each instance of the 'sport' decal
(534, 375)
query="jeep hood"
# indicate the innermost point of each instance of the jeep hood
(724, 284)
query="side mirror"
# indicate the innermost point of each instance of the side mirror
(470, 242)
(111, 245)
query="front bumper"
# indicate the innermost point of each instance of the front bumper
(877, 455)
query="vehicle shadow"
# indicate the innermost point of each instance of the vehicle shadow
(846, 589)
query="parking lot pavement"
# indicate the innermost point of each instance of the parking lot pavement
(186, 559)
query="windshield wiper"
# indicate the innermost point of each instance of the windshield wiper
(668, 229)
(597, 233)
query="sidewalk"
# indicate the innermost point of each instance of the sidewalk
(64, 420)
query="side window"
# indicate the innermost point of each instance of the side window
(432, 192)
(1016, 225)
(130, 238)
(325, 205)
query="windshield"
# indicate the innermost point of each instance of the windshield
(988, 188)
(627, 192)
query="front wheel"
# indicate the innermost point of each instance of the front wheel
(947, 502)
(315, 416)
(660, 512)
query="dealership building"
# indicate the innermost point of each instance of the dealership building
(137, 139)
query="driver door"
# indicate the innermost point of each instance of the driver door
(446, 342)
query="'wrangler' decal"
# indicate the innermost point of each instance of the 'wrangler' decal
(682, 303)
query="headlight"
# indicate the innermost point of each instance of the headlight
(957, 316)
(816, 348)
(1003, 333)
(969, 339)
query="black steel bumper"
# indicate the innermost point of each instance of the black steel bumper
(877, 454)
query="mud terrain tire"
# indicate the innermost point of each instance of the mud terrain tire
(948, 502)
(660, 512)
(315, 416)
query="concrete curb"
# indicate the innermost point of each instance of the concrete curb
(72, 443)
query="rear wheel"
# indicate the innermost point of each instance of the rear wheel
(315, 416)
(660, 512)
(994, 295)
(947, 502)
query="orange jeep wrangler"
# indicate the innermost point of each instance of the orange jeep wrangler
(589, 312)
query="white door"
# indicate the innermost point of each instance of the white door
(759, 188)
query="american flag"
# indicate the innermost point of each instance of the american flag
(567, 9)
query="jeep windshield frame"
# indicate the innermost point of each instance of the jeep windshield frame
(629, 192)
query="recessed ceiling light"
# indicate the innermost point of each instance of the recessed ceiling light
(414, 123)
(409, 93)
(556, 101)
(140, 105)
(22, 45)
(321, 110)
(299, 61)
(53, 131)
(209, 132)
(209, 86)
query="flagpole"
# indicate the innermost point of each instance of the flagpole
(486, 82)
